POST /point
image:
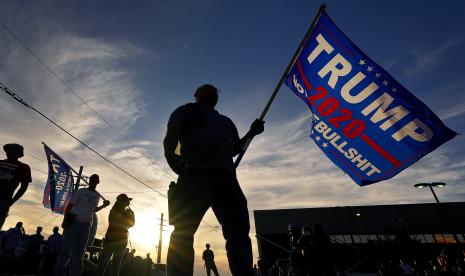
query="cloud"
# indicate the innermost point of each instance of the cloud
(426, 61)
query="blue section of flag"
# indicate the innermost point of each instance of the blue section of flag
(365, 121)
(59, 186)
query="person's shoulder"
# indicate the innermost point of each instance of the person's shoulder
(184, 108)
(24, 165)
(224, 117)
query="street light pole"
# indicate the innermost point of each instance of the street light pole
(439, 184)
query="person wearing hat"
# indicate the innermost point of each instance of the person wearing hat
(207, 178)
(76, 225)
(120, 219)
(12, 174)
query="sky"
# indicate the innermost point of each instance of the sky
(134, 62)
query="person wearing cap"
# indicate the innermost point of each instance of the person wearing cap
(209, 258)
(12, 174)
(76, 225)
(207, 178)
(120, 219)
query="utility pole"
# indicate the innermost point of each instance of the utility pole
(160, 240)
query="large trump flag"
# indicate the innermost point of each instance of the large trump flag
(365, 121)
(60, 183)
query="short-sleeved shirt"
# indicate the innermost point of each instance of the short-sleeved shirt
(12, 173)
(84, 203)
(208, 139)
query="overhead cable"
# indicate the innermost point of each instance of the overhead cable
(20, 100)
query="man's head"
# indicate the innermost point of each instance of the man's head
(39, 230)
(19, 224)
(55, 230)
(207, 94)
(93, 181)
(123, 199)
(13, 151)
(207, 246)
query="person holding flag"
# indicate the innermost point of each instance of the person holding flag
(12, 174)
(207, 178)
(76, 225)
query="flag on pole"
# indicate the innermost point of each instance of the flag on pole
(60, 183)
(365, 121)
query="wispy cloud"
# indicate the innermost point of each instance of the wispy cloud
(426, 61)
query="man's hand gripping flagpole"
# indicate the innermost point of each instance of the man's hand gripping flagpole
(278, 86)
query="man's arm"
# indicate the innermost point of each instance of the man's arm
(130, 218)
(105, 204)
(26, 178)
(256, 128)
(173, 134)
(22, 189)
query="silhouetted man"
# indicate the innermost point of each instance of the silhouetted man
(120, 219)
(10, 241)
(33, 250)
(12, 174)
(53, 248)
(209, 259)
(76, 225)
(207, 178)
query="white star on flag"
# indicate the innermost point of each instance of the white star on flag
(311, 132)
(325, 145)
(385, 82)
(394, 89)
(361, 62)
(370, 68)
(378, 75)
(317, 138)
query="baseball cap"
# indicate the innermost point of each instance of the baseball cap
(123, 197)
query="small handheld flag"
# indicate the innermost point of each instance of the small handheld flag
(365, 121)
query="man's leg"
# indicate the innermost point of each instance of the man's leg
(4, 208)
(107, 251)
(230, 208)
(215, 270)
(192, 207)
(118, 258)
(79, 248)
(69, 237)
(208, 268)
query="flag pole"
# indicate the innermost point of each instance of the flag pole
(281, 81)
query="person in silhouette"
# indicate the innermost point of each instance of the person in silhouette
(13, 173)
(76, 225)
(120, 219)
(33, 250)
(321, 259)
(207, 178)
(53, 246)
(209, 259)
(11, 240)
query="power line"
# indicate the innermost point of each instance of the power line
(20, 100)
(71, 90)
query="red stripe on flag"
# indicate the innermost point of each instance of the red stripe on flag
(304, 78)
(380, 150)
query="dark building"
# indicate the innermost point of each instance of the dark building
(364, 235)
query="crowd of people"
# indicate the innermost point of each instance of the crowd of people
(207, 178)
(21, 253)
